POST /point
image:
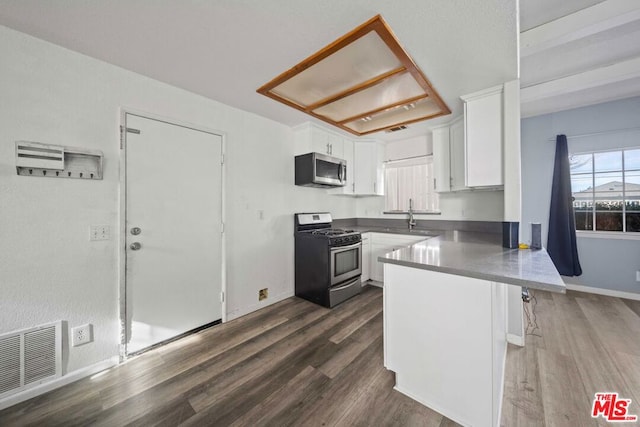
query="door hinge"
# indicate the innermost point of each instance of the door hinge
(222, 159)
(221, 296)
(121, 137)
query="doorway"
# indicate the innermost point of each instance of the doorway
(173, 235)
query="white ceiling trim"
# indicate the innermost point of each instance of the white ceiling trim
(615, 73)
(584, 23)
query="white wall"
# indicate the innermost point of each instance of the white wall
(467, 205)
(607, 263)
(49, 269)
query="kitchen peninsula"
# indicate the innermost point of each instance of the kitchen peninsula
(445, 321)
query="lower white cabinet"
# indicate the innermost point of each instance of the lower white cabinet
(382, 243)
(366, 257)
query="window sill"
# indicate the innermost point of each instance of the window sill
(612, 235)
(414, 212)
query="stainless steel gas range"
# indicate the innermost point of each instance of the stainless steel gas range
(328, 261)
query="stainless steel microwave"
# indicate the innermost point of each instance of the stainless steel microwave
(320, 170)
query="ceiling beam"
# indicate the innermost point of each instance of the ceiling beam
(591, 79)
(595, 19)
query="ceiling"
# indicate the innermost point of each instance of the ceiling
(578, 52)
(226, 49)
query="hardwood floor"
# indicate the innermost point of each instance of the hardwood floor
(585, 344)
(295, 363)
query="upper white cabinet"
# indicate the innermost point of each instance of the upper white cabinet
(346, 154)
(448, 156)
(369, 172)
(441, 159)
(309, 138)
(457, 155)
(483, 123)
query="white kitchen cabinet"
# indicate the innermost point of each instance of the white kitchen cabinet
(483, 125)
(369, 172)
(309, 137)
(457, 156)
(441, 159)
(366, 257)
(448, 156)
(348, 156)
(382, 243)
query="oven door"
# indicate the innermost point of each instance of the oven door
(346, 262)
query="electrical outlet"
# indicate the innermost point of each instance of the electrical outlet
(99, 232)
(263, 294)
(81, 335)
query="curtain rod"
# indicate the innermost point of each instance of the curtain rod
(604, 132)
(407, 158)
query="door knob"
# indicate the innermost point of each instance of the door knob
(136, 230)
(135, 246)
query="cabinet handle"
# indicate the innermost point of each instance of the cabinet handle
(434, 183)
(354, 187)
(328, 152)
(374, 187)
(331, 149)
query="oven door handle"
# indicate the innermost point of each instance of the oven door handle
(344, 248)
(351, 283)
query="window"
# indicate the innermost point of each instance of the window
(410, 179)
(606, 190)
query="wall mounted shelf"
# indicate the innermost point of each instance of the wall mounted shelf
(55, 161)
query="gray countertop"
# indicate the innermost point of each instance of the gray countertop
(478, 255)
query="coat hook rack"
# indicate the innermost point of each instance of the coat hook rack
(52, 161)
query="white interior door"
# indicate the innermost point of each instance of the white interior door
(174, 203)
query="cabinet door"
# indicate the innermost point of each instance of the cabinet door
(335, 146)
(376, 267)
(365, 157)
(441, 162)
(320, 141)
(346, 153)
(366, 257)
(483, 140)
(369, 171)
(457, 159)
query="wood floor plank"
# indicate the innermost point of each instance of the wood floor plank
(629, 366)
(614, 323)
(352, 346)
(241, 373)
(522, 399)
(309, 379)
(564, 398)
(266, 368)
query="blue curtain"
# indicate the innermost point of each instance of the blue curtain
(561, 241)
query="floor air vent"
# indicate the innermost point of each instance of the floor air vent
(30, 357)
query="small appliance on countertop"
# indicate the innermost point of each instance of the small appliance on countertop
(328, 261)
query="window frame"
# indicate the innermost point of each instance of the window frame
(428, 158)
(606, 234)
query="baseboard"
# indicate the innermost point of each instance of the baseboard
(515, 339)
(602, 291)
(58, 382)
(436, 408)
(239, 312)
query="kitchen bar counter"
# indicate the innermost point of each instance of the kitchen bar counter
(448, 311)
(486, 261)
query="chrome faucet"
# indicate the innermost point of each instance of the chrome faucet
(412, 221)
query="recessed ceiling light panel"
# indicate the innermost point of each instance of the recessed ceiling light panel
(363, 82)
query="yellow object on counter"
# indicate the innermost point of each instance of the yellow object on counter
(523, 246)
